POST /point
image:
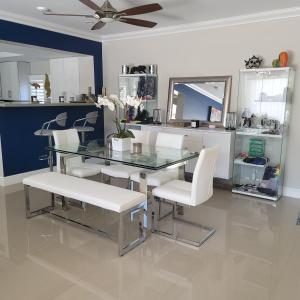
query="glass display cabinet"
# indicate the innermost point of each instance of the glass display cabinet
(143, 86)
(264, 104)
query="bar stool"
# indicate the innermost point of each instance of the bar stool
(90, 118)
(60, 120)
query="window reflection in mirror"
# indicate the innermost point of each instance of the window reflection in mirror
(198, 99)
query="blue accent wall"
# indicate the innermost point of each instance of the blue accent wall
(20, 148)
(196, 105)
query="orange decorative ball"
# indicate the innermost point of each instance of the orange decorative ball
(283, 59)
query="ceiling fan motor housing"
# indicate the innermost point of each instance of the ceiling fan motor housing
(107, 11)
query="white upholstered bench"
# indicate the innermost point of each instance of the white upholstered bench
(121, 201)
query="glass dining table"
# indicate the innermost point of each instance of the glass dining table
(150, 159)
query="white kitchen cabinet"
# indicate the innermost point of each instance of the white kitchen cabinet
(196, 139)
(14, 79)
(71, 77)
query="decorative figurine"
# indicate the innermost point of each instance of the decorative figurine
(283, 59)
(253, 62)
(275, 63)
(247, 118)
(138, 70)
(47, 86)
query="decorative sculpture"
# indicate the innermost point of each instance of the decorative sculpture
(253, 62)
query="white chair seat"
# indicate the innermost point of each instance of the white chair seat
(85, 170)
(84, 128)
(119, 171)
(93, 166)
(176, 190)
(158, 178)
(81, 172)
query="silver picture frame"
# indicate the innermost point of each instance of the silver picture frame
(192, 80)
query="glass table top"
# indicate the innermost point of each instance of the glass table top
(153, 158)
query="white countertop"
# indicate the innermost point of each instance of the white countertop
(219, 130)
(30, 104)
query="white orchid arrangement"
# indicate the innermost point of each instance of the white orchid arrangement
(112, 102)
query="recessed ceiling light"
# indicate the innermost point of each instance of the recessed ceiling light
(42, 8)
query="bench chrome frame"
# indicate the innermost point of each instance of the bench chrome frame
(123, 247)
(174, 212)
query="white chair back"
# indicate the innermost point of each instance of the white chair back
(169, 140)
(70, 138)
(202, 185)
(141, 136)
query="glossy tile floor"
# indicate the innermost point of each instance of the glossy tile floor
(255, 254)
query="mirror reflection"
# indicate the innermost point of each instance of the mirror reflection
(204, 99)
(41, 74)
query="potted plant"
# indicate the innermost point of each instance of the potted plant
(121, 140)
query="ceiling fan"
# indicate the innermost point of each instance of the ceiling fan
(107, 14)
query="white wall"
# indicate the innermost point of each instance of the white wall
(218, 51)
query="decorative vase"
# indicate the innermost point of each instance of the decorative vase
(121, 144)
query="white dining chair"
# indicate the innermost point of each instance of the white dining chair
(164, 140)
(74, 165)
(123, 171)
(188, 193)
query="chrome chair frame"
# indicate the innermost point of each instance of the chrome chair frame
(174, 212)
(123, 248)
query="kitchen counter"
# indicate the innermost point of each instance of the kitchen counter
(30, 104)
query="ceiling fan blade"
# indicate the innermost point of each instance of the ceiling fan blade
(138, 22)
(98, 25)
(90, 4)
(69, 15)
(143, 9)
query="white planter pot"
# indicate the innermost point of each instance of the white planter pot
(121, 144)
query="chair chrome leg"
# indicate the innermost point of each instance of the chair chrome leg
(124, 248)
(130, 184)
(210, 232)
(50, 154)
(29, 213)
(121, 234)
(155, 214)
(174, 235)
(64, 203)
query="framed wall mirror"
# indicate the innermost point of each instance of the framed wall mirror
(199, 98)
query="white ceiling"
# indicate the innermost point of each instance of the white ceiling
(30, 53)
(175, 12)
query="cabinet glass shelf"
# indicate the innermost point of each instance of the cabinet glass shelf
(265, 97)
(239, 161)
(143, 86)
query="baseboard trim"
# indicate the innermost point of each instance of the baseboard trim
(14, 179)
(291, 192)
